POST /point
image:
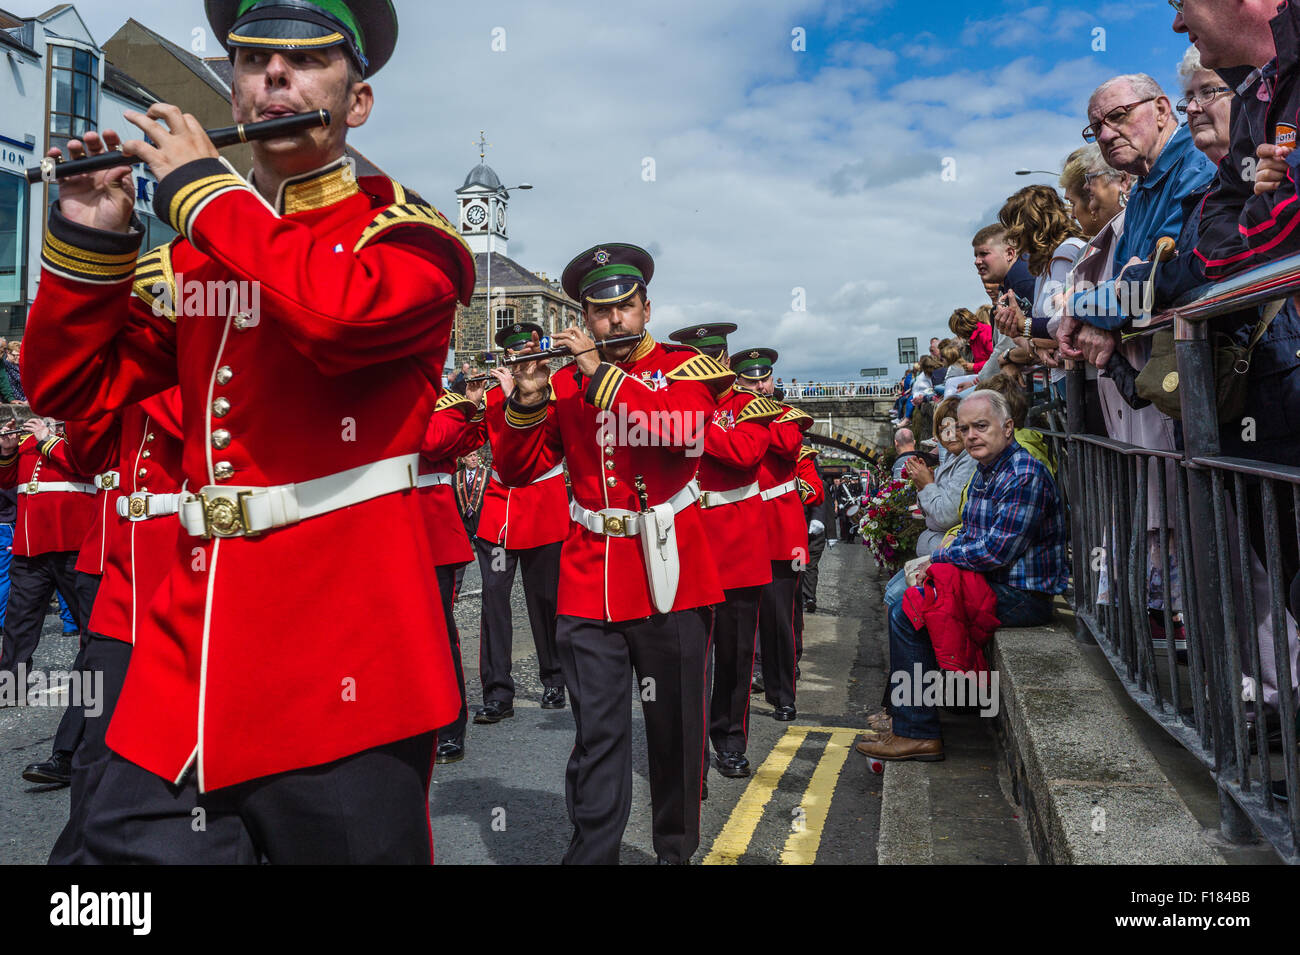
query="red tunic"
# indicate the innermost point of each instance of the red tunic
(734, 446)
(142, 443)
(310, 642)
(811, 490)
(520, 518)
(786, 529)
(604, 578)
(455, 429)
(48, 520)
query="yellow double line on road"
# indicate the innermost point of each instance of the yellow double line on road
(802, 845)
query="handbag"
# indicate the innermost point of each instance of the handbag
(1158, 382)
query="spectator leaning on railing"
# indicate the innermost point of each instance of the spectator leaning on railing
(1013, 543)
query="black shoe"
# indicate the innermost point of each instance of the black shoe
(494, 711)
(55, 771)
(756, 685)
(732, 765)
(784, 714)
(553, 698)
(450, 751)
(810, 607)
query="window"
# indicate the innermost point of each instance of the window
(74, 94)
(13, 236)
(551, 329)
(505, 315)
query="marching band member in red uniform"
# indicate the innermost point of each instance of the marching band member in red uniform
(524, 527)
(786, 530)
(455, 430)
(56, 507)
(637, 577)
(142, 446)
(252, 691)
(812, 493)
(736, 441)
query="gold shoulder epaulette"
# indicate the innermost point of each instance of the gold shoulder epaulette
(793, 414)
(702, 368)
(806, 452)
(155, 282)
(450, 400)
(760, 408)
(431, 222)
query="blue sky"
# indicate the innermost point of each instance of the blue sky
(776, 170)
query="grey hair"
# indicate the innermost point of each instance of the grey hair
(995, 398)
(1142, 84)
(1099, 166)
(1190, 66)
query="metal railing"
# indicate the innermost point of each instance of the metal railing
(839, 389)
(1178, 576)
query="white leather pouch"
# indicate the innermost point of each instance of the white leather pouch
(659, 547)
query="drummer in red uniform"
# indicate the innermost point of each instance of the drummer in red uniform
(292, 669)
(637, 578)
(736, 441)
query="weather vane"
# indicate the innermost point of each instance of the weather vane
(482, 145)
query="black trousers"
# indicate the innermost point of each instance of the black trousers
(816, 547)
(776, 635)
(101, 655)
(447, 588)
(735, 632)
(32, 582)
(71, 727)
(541, 567)
(668, 654)
(368, 808)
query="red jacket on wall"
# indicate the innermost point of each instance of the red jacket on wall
(959, 610)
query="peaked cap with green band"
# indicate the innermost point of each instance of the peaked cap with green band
(518, 335)
(607, 273)
(754, 364)
(366, 29)
(710, 339)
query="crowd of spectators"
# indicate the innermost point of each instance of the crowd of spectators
(1071, 281)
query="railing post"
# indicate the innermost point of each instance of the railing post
(1075, 416)
(1201, 439)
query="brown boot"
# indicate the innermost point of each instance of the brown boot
(900, 747)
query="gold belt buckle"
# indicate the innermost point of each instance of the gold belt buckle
(137, 507)
(106, 482)
(33, 486)
(223, 517)
(704, 499)
(614, 526)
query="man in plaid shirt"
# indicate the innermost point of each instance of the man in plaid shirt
(1013, 532)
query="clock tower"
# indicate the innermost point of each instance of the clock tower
(483, 206)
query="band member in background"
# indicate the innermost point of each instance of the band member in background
(455, 429)
(470, 486)
(521, 527)
(360, 281)
(787, 534)
(637, 577)
(813, 496)
(735, 443)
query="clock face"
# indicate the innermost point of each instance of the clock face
(475, 215)
(501, 219)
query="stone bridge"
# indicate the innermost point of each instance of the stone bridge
(849, 416)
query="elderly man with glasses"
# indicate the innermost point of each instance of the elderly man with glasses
(1134, 124)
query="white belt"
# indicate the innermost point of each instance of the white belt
(108, 481)
(142, 505)
(430, 480)
(558, 469)
(616, 522)
(734, 496)
(221, 511)
(37, 487)
(775, 492)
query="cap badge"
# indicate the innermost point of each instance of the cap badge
(519, 328)
(753, 354)
(701, 332)
(601, 257)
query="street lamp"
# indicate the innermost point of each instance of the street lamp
(1032, 172)
(501, 192)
